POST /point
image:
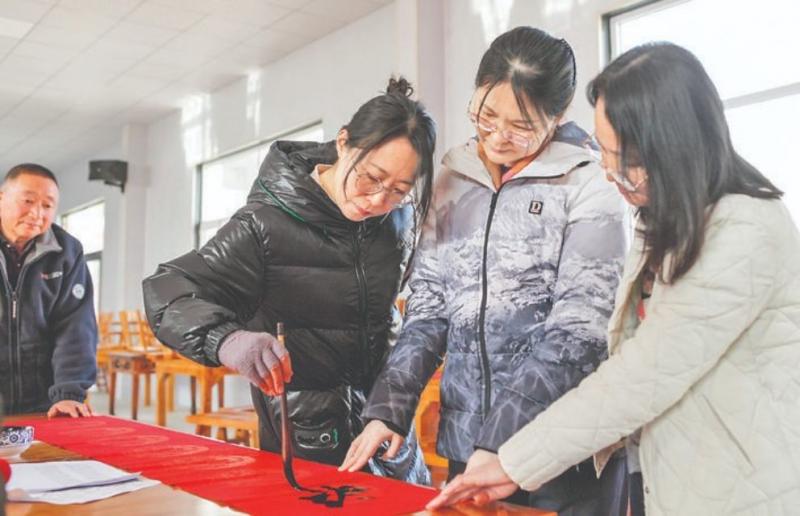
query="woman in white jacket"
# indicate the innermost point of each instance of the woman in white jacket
(703, 380)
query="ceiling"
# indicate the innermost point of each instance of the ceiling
(75, 71)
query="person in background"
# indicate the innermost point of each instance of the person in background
(514, 279)
(321, 246)
(703, 382)
(47, 355)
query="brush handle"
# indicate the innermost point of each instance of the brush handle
(286, 428)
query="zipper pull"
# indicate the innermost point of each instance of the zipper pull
(14, 306)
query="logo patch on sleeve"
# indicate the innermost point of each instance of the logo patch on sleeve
(536, 207)
(78, 291)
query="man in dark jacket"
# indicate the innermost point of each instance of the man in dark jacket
(47, 320)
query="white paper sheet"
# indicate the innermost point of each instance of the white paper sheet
(81, 494)
(36, 477)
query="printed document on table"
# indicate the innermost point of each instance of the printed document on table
(38, 477)
(81, 494)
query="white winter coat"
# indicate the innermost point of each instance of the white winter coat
(711, 375)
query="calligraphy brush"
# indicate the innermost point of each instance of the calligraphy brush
(286, 426)
(287, 454)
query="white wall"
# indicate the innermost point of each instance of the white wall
(326, 81)
(472, 24)
(153, 220)
(76, 190)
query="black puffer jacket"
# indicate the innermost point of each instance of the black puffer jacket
(290, 256)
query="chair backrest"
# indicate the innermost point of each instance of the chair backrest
(152, 344)
(108, 330)
(132, 331)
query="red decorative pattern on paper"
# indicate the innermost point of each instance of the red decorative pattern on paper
(242, 478)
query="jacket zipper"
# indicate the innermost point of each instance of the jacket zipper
(358, 235)
(485, 370)
(17, 364)
(11, 403)
(14, 332)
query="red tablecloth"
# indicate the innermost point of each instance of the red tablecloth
(245, 479)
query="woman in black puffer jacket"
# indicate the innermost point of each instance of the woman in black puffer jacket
(321, 246)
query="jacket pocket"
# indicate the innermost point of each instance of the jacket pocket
(728, 439)
(324, 423)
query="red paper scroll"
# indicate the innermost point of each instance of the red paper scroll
(245, 479)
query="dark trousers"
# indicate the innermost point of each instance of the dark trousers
(577, 491)
(636, 494)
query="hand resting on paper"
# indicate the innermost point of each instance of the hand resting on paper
(483, 481)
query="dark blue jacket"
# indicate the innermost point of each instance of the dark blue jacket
(48, 330)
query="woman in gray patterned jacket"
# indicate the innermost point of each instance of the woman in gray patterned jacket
(515, 275)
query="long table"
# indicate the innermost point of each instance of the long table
(254, 477)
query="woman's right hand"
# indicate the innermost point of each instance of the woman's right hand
(364, 446)
(259, 357)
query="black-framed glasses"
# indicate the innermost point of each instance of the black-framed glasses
(367, 184)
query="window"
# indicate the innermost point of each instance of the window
(750, 51)
(223, 183)
(87, 224)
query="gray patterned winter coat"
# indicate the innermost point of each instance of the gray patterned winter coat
(515, 285)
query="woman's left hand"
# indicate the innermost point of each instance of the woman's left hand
(482, 482)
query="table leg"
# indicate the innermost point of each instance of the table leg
(147, 399)
(112, 390)
(221, 391)
(193, 393)
(206, 384)
(135, 396)
(170, 393)
(162, 379)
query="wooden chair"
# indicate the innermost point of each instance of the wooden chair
(206, 377)
(243, 420)
(137, 357)
(109, 339)
(426, 422)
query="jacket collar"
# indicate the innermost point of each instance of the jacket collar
(284, 180)
(564, 153)
(43, 244)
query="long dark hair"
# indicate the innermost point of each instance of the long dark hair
(539, 68)
(669, 119)
(394, 115)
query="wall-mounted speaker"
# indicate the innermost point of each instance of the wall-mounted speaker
(112, 172)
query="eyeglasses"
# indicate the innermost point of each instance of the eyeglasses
(623, 181)
(620, 178)
(367, 184)
(522, 139)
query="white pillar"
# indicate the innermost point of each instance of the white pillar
(419, 56)
(130, 259)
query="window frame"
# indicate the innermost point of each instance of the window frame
(644, 7)
(95, 255)
(757, 97)
(198, 204)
